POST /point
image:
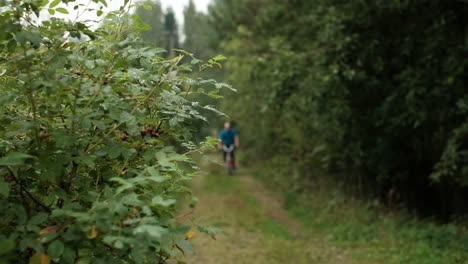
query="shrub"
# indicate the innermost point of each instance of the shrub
(94, 125)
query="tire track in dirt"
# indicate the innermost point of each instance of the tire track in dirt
(222, 202)
(271, 205)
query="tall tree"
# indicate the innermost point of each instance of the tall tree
(154, 17)
(199, 35)
(171, 31)
(190, 27)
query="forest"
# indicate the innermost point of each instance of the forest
(353, 115)
(373, 90)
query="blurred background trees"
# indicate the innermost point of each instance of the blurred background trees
(154, 17)
(163, 26)
(374, 91)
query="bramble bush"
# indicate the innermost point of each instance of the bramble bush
(94, 137)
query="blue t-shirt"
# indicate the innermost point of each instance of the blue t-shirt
(227, 136)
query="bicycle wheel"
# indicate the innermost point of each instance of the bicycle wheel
(229, 164)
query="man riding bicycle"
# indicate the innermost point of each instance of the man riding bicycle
(229, 138)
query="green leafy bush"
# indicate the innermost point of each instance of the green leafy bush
(94, 127)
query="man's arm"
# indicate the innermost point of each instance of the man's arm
(236, 141)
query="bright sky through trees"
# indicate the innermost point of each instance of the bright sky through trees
(176, 5)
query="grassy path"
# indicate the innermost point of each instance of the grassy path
(322, 226)
(256, 229)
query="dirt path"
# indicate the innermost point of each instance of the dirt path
(256, 229)
(270, 204)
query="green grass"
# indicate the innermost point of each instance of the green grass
(255, 228)
(220, 184)
(368, 230)
(393, 238)
(335, 227)
(272, 227)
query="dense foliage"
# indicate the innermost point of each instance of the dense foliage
(95, 130)
(375, 90)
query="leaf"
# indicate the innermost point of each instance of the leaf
(163, 160)
(48, 233)
(4, 188)
(54, 3)
(210, 230)
(92, 232)
(211, 108)
(114, 152)
(158, 200)
(15, 159)
(62, 10)
(151, 230)
(125, 185)
(6, 245)
(184, 246)
(38, 219)
(118, 244)
(44, 3)
(39, 258)
(104, 2)
(131, 199)
(219, 58)
(219, 85)
(68, 256)
(126, 117)
(214, 94)
(49, 230)
(155, 175)
(195, 61)
(183, 52)
(55, 249)
(194, 202)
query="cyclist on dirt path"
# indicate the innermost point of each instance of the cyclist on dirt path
(228, 137)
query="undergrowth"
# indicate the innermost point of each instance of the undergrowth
(368, 229)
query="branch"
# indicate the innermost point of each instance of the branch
(26, 205)
(67, 185)
(72, 176)
(45, 207)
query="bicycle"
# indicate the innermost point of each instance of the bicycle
(229, 159)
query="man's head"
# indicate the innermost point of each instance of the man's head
(227, 125)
